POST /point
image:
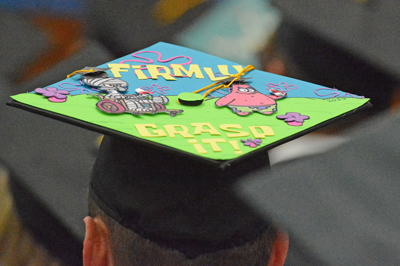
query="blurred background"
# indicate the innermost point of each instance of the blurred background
(45, 165)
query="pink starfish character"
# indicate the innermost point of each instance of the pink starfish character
(244, 99)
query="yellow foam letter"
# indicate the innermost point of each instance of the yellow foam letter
(200, 149)
(235, 146)
(213, 143)
(171, 129)
(238, 133)
(224, 69)
(200, 129)
(144, 132)
(210, 74)
(138, 72)
(193, 68)
(153, 70)
(116, 68)
(238, 68)
(266, 131)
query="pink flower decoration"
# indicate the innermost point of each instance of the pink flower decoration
(54, 94)
(251, 143)
(293, 119)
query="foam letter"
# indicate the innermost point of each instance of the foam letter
(238, 133)
(266, 131)
(200, 129)
(210, 74)
(116, 68)
(213, 143)
(238, 68)
(171, 129)
(144, 132)
(153, 70)
(235, 146)
(138, 72)
(193, 68)
(200, 149)
(224, 69)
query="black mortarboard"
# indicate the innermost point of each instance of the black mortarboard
(342, 207)
(165, 170)
(171, 199)
(367, 29)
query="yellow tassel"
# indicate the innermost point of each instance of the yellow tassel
(82, 70)
(219, 85)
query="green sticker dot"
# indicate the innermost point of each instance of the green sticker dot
(188, 98)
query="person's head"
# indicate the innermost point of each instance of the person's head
(109, 243)
(151, 207)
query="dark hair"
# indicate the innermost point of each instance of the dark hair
(129, 248)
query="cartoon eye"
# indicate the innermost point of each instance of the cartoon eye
(251, 89)
(243, 90)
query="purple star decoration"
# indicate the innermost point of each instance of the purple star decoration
(293, 119)
(250, 142)
(55, 95)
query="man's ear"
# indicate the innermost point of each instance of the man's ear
(96, 247)
(280, 249)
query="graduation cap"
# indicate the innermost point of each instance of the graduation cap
(91, 72)
(338, 207)
(355, 26)
(166, 170)
(173, 200)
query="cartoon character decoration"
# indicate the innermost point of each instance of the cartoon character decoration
(112, 86)
(244, 99)
(116, 102)
(135, 104)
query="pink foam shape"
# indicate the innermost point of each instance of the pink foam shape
(56, 100)
(294, 123)
(150, 61)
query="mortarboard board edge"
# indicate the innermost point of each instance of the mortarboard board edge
(220, 164)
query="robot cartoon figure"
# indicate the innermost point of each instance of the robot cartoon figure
(115, 102)
(112, 86)
(244, 99)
